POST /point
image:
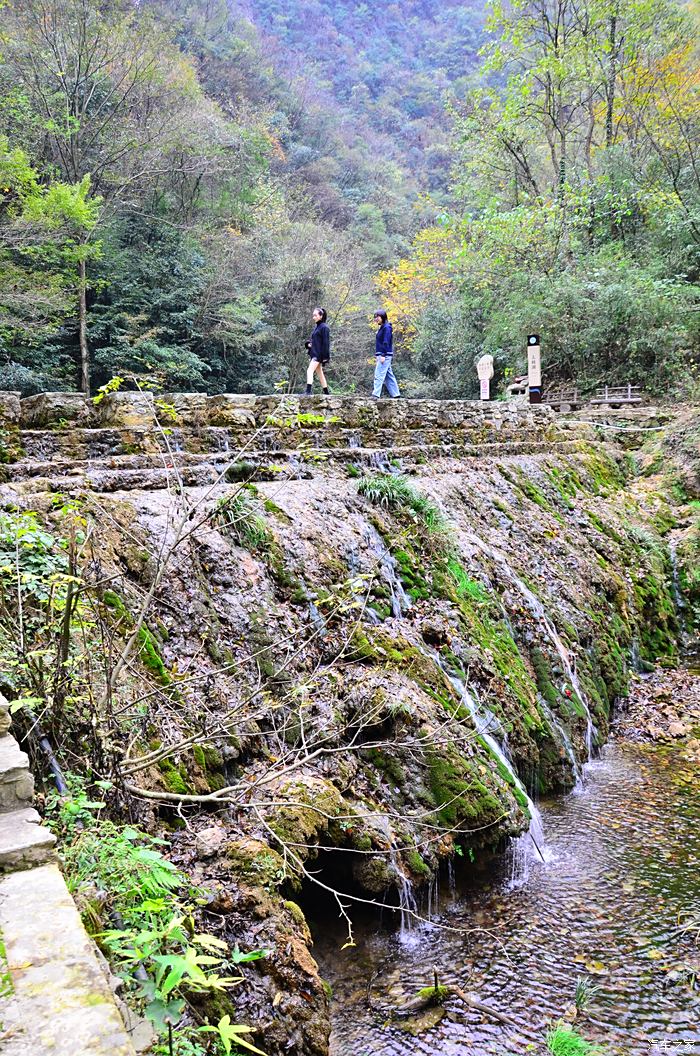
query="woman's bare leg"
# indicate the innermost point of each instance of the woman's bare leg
(322, 377)
(313, 366)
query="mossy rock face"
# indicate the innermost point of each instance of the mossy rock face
(385, 761)
(150, 655)
(373, 875)
(603, 472)
(413, 577)
(459, 795)
(297, 915)
(313, 804)
(175, 778)
(419, 868)
(149, 651)
(255, 862)
(533, 492)
(210, 761)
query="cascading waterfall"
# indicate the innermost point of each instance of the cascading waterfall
(400, 602)
(433, 897)
(486, 724)
(489, 730)
(560, 729)
(408, 907)
(678, 599)
(538, 611)
(379, 460)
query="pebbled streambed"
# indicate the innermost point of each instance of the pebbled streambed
(620, 880)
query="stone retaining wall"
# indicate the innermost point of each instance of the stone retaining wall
(129, 410)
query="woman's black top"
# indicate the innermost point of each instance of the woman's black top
(320, 344)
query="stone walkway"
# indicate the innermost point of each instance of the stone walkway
(60, 1003)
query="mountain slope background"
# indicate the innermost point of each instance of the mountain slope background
(182, 182)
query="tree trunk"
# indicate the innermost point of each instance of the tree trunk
(612, 77)
(82, 330)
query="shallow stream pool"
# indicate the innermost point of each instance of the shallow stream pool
(611, 902)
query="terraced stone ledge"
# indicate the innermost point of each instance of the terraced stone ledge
(131, 410)
(63, 441)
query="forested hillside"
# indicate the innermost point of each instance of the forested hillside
(576, 202)
(181, 182)
(389, 65)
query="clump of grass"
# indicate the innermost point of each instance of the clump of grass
(397, 493)
(238, 517)
(585, 992)
(436, 994)
(564, 1041)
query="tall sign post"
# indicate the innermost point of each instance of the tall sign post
(484, 369)
(534, 368)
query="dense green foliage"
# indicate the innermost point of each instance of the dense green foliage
(226, 186)
(387, 66)
(577, 202)
(182, 182)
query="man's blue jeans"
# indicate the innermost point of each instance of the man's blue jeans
(384, 375)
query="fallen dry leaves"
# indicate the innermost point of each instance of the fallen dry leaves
(663, 706)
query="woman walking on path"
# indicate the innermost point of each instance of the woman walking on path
(383, 371)
(319, 351)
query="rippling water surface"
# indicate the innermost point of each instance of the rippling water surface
(622, 876)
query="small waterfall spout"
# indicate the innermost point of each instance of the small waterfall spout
(678, 599)
(408, 907)
(568, 747)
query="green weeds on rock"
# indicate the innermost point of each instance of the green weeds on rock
(141, 910)
(397, 493)
(239, 517)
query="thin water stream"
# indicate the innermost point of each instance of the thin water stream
(622, 876)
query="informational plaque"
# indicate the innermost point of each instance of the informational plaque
(534, 368)
(484, 369)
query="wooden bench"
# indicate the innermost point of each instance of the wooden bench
(617, 395)
(568, 399)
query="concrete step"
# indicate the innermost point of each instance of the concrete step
(24, 843)
(61, 1003)
(16, 782)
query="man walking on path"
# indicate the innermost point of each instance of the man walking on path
(383, 371)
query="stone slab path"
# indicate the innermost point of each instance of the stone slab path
(60, 1002)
